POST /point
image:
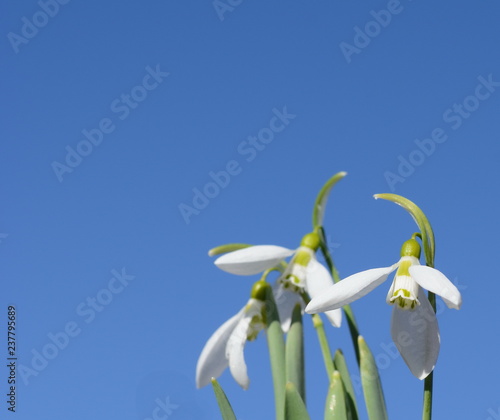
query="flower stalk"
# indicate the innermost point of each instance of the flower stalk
(276, 344)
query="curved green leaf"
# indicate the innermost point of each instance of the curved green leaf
(335, 408)
(372, 388)
(322, 198)
(295, 408)
(421, 221)
(224, 405)
(222, 249)
(341, 366)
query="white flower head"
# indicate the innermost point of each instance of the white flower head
(225, 347)
(303, 273)
(414, 327)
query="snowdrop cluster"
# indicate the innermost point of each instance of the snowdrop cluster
(306, 286)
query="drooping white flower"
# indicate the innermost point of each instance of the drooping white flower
(225, 347)
(414, 327)
(303, 273)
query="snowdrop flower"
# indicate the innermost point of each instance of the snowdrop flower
(225, 347)
(414, 327)
(303, 274)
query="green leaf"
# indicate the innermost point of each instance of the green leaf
(372, 388)
(295, 352)
(276, 344)
(341, 366)
(421, 221)
(224, 405)
(335, 408)
(322, 198)
(295, 408)
(222, 249)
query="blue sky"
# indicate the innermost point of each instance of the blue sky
(136, 136)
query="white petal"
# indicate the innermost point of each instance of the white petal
(348, 290)
(285, 301)
(234, 351)
(212, 361)
(436, 282)
(416, 335)
(335, 317)
(252, 260)
(318, 278)
(318, 281)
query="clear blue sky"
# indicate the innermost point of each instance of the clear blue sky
(117, 116)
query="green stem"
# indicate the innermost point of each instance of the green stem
(326, 254)
(428, 382)
(351, 320)
(427, 406)
(323, 342)
(353, 329)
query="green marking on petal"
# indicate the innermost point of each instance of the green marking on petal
(302, 257)
(403, 299)
(256, 325)
(403, 269)
(406, 293)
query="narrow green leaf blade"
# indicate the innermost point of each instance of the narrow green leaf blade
(335, 408)
(322, 198)
(351, 404)
(421, 221)
(223, 249)
(372, 388)
(276, 345)
(295, 408)
(224, 405)
(295, 352)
